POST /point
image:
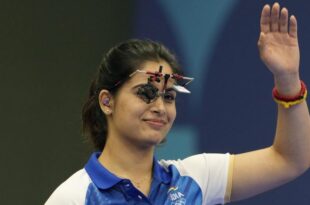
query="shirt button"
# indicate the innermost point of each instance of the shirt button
(127, 185)
(139, 196)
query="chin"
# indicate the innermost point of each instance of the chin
(154, 139)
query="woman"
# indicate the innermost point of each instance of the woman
(131, 108)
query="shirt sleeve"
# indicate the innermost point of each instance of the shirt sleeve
(72, 191)
(212, 172)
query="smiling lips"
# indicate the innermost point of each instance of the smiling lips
(156, 123)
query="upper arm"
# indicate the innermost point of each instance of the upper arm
(209, 171)
(258, 171)
(73, 191)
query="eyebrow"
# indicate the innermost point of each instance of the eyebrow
(136, 86)
(170, 89)
(167, 89)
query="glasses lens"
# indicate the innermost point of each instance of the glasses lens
(148, 93)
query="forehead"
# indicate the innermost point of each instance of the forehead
(150, 66)
(154, 66)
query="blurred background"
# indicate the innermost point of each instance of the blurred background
(50, 51)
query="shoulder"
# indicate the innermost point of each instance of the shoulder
(204, 161)
(72, 191)
(212, 173)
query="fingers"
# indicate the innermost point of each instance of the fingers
(277, 20)
(274, 19)
(293, 27)
(283, 22)
(265, 19)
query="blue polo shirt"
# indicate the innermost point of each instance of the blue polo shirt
(199, 179)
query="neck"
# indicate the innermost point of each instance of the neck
(126, 160)
(129, 162)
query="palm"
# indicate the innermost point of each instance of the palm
(277, 44)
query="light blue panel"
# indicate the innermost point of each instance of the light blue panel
(181, 142)
(198, 24)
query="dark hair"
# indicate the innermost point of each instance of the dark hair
(117, 64)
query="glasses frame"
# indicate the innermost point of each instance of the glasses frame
(155, 76)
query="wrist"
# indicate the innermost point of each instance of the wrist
(288, 85)
(288, 101)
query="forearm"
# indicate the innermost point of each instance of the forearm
(292, 139)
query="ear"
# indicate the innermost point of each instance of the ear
(105, 102)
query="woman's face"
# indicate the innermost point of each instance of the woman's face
(138, 122)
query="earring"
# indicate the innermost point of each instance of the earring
(106, 101)
(108, 112)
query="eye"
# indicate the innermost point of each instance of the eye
(170, 97)
(147, 92)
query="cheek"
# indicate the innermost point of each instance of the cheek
(131, 109)
(172, 113)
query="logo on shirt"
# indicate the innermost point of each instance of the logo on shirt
(176, 197)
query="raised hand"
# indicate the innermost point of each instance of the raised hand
(278, 47)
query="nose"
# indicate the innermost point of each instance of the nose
(158, 106)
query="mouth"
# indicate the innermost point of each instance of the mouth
(156, 123)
